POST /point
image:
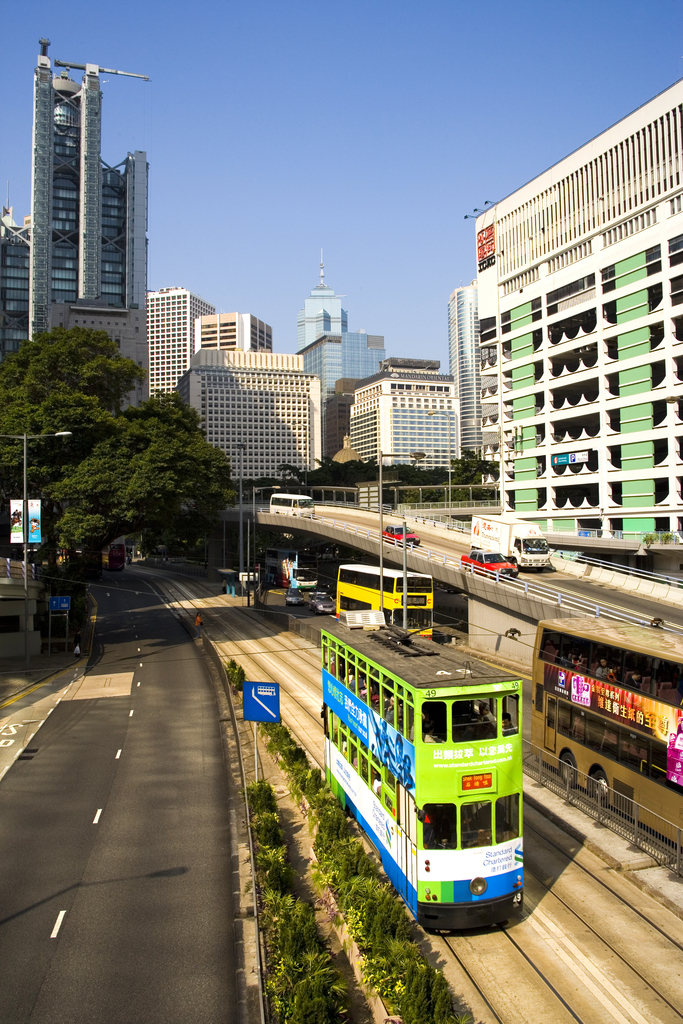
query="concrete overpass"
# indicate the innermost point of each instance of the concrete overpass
(494, 606)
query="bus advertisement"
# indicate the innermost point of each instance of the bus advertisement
(281, 564)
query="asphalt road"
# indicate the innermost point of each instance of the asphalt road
(122, 916)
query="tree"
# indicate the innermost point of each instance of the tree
(469, 468)
(122, 470)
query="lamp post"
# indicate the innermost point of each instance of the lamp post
(448, 413)
(391, 455)
(241, 448)
(24, 525)
(271, 487)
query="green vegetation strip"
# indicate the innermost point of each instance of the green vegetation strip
(375, 917)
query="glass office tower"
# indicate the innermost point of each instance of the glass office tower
(322, 314)
(463, 343)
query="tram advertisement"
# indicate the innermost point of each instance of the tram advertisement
(633, 710)
(392, 749)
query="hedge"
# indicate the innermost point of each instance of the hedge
(303, 985)
(235, 674)
(374, 915)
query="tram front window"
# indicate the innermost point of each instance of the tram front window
(475, 824)
(510, 715)
(507, 818)
(440, 827)
(434, 721)
(474, 720)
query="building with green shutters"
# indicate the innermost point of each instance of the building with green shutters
(580, 281)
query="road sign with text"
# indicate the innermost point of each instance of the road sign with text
(60, 604)
(261, 702)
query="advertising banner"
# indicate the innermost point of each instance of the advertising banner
(16, 514)
(392, 749)
(34, 523)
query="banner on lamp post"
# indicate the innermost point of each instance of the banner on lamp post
(16, 515)
(34, 522)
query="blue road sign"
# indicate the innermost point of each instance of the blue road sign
(60, 604)
(261, 702)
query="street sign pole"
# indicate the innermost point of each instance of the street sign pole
(261, 703)
(255, 751)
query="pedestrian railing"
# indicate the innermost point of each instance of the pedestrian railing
(659, 838)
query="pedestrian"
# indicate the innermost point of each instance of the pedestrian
(77, 645)
(198, 624)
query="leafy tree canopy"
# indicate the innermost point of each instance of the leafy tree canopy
(123, 469)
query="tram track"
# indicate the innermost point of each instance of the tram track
(531, 955)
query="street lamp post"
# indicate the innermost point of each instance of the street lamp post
(390, 455)
(241, 448)
(24, 525)
(448, 413)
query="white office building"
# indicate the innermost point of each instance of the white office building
(171, 315)
(581, 320)
(407, 407)
(463, 352)
(260, 400)
(233, 331)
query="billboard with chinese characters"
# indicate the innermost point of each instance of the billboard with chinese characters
(631, 709)
(486, 247)
(392, 749)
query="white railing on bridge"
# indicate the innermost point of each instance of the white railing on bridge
(435, 505)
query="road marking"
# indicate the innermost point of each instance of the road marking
(138, 684)
(118, 754)
(97, 816)
(130, 715)
(108, 594)
(138, 648)
(58, 924)
(575, 969)
(140, 664)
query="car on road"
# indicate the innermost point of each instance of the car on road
(320, 603)
(489, 562)
(394, 533)
(293, 596)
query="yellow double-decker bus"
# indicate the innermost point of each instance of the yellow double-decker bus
(358, 590)
(607, 703)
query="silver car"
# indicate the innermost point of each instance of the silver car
(320, 603)
(293, 596)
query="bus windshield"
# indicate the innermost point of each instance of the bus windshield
(305, 503)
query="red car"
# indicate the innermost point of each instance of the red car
(489, 561)
(395, 534)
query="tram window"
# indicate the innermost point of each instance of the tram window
(376, 780)
(434, 721)
(354, 755)
(633, 751)
(374, 694)
(388, 705)
(334, 729)
(507, 818)
(440, 827)
(638, 672)
(325, 656)
(364, 769)
(390, 780)
(550, 646)
(333, 664)
(511, 709)
(473, 720)
(362, 685)
(564, 719)
(475, 824)
(601, 736)
(410, 723)
(341, 674)
(658, 762)
(389, 803)
(398, 724)
(351, 677)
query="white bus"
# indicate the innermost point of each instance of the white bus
(292, 504)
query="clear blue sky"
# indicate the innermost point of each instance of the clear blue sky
(367, 127)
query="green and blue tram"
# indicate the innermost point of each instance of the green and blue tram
(423, 746)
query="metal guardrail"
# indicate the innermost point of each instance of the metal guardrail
(627, 570)
(548, 595)
(660, 838)
(476, 503)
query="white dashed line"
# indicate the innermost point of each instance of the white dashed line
(130, 715)
(138, 684)
(118, 754)
(138, 650)
(58, 924)
(140, 664)
(97, 816)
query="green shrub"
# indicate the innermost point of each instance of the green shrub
(235, 674)
(261, 797)
(267, 829)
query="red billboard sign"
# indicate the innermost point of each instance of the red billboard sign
(486, 247)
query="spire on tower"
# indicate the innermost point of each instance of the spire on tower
(322, 270)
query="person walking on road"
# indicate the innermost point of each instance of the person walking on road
(198, 624)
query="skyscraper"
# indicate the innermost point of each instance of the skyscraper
(233, 330)
(14, 282)
(463, 345)
(171, 316)
(322, 314)
(88, 225)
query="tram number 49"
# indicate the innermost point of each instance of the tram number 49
(430, 693)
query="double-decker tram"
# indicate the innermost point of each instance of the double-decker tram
(423, 746)
(606, 702)
(358, 590)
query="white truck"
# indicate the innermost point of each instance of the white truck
(520, 542)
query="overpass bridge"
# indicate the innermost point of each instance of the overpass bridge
(495, 606)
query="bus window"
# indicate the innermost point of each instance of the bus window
(666, 679)
(510, 717)
(440, 827)
(388, 705)
(658, 763)
(410, 723)
(434, 721)
(564, 719)
(600, 737)
(575, 653)
(638, 671)
(550, 646)
(507, 818)
(475, 824)
(633, 751)
(376, 780)
(579, 725)
(606, 663)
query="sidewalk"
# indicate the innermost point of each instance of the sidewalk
(14, 678)
(661, 883)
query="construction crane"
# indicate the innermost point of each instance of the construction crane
(104, 71)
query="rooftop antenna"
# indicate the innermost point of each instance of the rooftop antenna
(43, 43)
(104, 71)
(322, 270)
